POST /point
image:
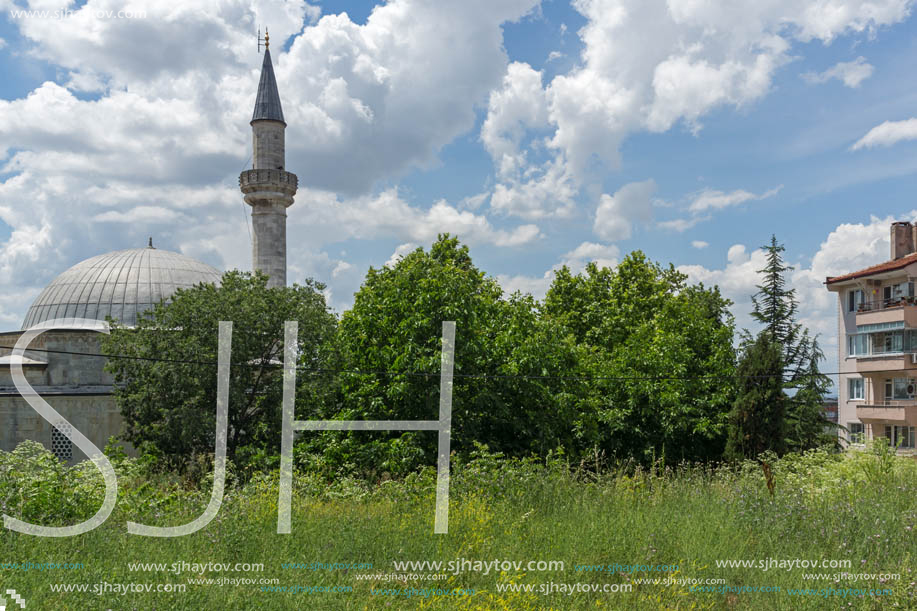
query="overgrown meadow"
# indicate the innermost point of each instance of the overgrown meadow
(860, 506)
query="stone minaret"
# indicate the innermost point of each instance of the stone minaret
(268, 187)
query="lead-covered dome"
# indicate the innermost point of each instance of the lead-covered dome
(120, 284)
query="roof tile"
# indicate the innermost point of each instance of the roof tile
(888, 266)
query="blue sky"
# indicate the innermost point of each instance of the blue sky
(541, 133)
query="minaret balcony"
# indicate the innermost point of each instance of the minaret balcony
(264, 181)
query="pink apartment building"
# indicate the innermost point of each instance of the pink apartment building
(877, 346)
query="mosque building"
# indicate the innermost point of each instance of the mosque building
(123, 285)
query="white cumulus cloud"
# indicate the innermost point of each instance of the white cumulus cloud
(850, 73)
(708, 200)
(649, 65)
(712, 199)
(887, 134)
(616, 214)
(401, 251)
(518, 105)
(604, 255)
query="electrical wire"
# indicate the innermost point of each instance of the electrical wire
(320, 370)
(244, 209)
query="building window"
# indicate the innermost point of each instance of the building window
(896, 292)
(60, 442)
(896, 342)
(901, 436)
(855, 389)
(900, 389)
(910, 436)
(858, 345)
(856, 432)
(854, 299)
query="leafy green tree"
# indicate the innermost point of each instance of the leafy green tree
(658, 354)
(394, 330)
(166, 390)
(757, 417)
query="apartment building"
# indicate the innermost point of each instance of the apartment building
(877, 346)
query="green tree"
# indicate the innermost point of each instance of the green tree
(806, 423)
(757, 417)
(394, 331)
(658, 354)
(166, 390)
(775, 306)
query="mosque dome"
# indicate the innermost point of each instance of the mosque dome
(120, 284)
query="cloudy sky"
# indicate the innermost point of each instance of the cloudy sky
(541, 134)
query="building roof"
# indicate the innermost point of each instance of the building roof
(267, 102)
(9, 359)
(120, 284)
(888, 266)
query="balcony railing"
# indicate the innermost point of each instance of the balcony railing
(882, 352)
(268, 178)
(883, 304)
(889, 403)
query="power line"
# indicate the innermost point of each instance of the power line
(244, 209)
(484, 376)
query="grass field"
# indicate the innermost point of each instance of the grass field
(860, 507)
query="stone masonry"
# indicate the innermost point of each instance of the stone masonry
(268, 188)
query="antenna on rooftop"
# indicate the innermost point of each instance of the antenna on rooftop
(261, 40)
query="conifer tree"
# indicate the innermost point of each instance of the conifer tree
(756, 422)
(775, 306)
(806, 424)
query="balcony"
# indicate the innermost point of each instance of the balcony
(884, 311)
(888, 411)
(261, 182)
(884, 346)
(890, 361)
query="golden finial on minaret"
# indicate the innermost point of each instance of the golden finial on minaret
(267, 39)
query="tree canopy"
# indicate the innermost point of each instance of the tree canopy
(167, 391)
(657, 354)
(633, 362)
(394, 332)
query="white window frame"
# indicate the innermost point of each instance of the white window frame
(854, 298)
(903, 434)
(855, 341)
(852, 385)
(902, 289)
(856, 432)
(901, 389)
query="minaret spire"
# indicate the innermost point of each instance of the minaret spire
(268, 187)
(267, 101)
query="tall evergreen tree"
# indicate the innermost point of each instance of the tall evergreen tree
(806, 424)
(775, 306)
(756, 422)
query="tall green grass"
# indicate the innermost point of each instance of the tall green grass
(857, 506)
